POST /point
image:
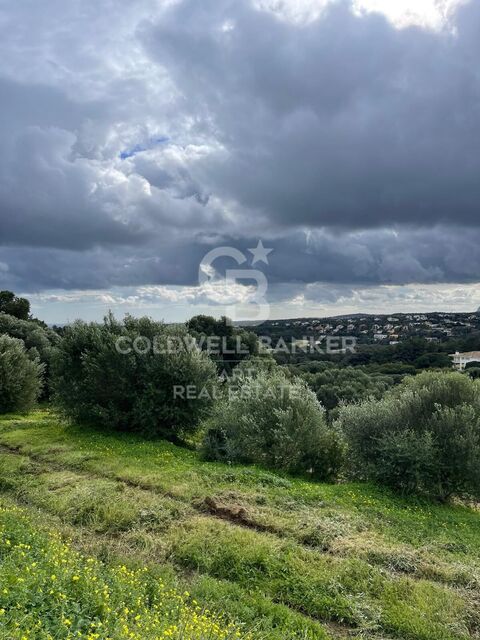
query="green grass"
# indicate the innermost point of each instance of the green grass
(51, 591)
(304, 561)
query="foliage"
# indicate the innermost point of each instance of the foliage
(473, 372)
(254, 365)
(433, 361)
(394, 372)
(225, 344)
(100, 377)
(14, 306)
(270, 420)
(38, 339)
(313, 366)
(393, 369)
(472, 365)
(422, 437)
(336, 385)
(415, 353)
(20, 376)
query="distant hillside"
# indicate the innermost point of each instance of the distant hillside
(377, 329)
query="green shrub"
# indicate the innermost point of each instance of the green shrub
(422, 437)
(37, 339)
(33, 334)
(20, 376)
(473, 372)
(100, 380)
(267, 419)
(335, 385)
(230, 344)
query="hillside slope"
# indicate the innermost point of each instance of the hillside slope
(280, 557)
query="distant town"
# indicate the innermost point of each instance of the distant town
(412, 340)
(378, 329)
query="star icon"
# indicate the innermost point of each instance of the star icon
(260, 253)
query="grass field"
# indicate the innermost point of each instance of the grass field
(144, 541)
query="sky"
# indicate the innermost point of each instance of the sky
(341, 135)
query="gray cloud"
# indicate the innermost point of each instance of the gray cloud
(444, 254)
(346, 121)
(136, 139)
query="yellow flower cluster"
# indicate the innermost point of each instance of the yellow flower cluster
(51, 592)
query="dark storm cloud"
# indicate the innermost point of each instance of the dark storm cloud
(368, 258)
(346, 121)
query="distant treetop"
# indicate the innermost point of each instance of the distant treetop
(14, 306)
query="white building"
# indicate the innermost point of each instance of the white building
(460, 360)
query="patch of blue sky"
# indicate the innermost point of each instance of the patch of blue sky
(138, 148)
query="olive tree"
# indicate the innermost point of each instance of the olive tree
(422, 437)
(20, 376)
(130, 375)
(268, 419)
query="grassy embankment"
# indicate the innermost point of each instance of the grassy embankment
(281, 558)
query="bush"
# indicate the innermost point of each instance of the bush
(422, 437)
(473, 372)
(20, 376)
(230, 344)
(38, 339)
(270, 420)
(33, 334)
(335, 385)
(433, 361)
(94, 382)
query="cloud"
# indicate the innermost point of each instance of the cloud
(369, 258)
(345, 121)
(135, 139)
(286, 300)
